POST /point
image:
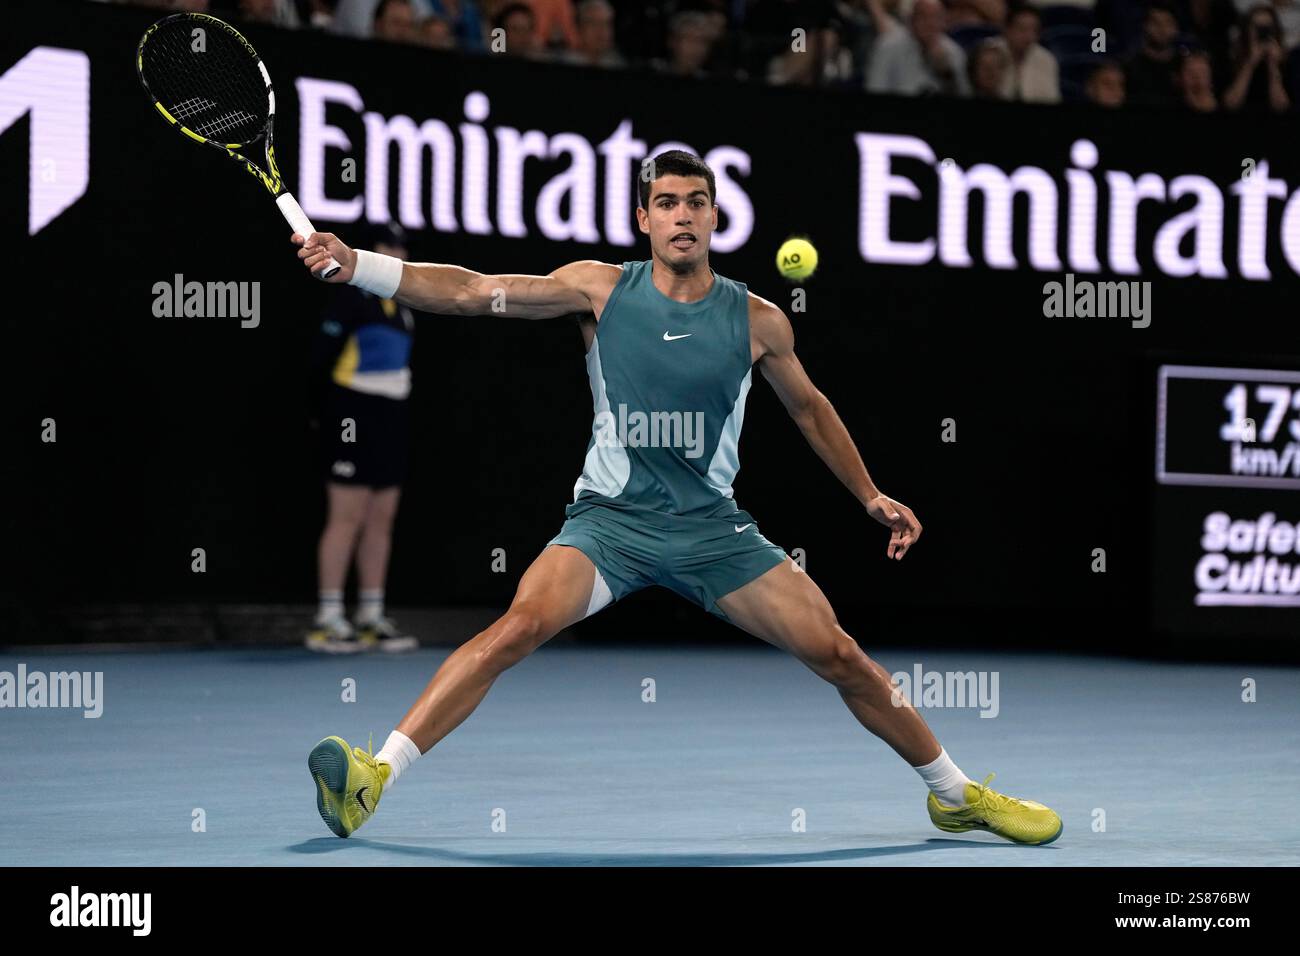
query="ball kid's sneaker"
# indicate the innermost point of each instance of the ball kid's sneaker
(349, 783)
(334, 636)
(1020, 821)
(381, 634)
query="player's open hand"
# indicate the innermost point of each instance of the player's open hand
(317, 249)
(904, 529)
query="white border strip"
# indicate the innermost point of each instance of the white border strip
(1248, 600)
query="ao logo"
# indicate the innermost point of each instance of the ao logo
(53, 86)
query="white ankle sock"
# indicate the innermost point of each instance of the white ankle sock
(330, 607)
(945, 780)
(399, 752)
(371, 606)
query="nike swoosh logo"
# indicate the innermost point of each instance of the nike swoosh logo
(362, 802)
(742, 527)
(674, 338)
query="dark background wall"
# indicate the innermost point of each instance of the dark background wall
(183, 433)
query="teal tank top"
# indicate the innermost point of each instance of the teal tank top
(668, 385)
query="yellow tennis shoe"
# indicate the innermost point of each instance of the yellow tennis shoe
(1021, 821)
(349, 783)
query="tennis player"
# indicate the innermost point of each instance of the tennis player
(671, 347)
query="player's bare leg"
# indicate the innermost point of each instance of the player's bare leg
(553, 594)
(786, 608)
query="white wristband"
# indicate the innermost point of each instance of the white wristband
(377, 274)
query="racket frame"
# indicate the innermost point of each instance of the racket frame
(269, 177)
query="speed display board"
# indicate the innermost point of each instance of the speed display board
(1227, 511)
(1237, 427)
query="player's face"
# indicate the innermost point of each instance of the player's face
(679, 220)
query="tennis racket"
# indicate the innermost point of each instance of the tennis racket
(208, 82)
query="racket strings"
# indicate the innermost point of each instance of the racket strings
(217, 91)
(210, 124)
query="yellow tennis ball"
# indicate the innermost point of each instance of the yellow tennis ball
(796, 259)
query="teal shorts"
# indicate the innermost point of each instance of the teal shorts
(702, 559)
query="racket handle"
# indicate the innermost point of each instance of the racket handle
(302, 225)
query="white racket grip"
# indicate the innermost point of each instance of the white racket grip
(302, 225)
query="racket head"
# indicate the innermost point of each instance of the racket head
(214, 89)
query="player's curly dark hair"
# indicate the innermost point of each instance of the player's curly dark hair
(674, 162)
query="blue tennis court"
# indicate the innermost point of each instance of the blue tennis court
(574, 767)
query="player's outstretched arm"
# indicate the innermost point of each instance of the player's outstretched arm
(821, 425)
(452, 290)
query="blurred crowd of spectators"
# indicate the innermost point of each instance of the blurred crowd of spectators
(1202, 55)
